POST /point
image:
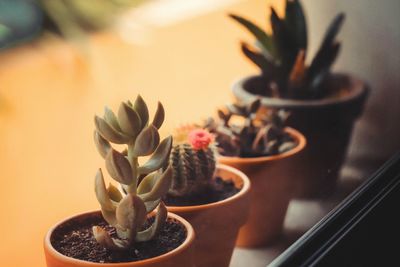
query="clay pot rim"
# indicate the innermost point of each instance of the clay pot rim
(358, 89)
(65, 259)
(243, 191)
(294, 133)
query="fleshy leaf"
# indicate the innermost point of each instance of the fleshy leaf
(333, 30)
(147, 183)
(111, 119)
(114, 193)
(131, 212)
(296, 23)
(141, 108)
(285, 46)
(102, 145)
(101, 192)
(161, 186)
(152, 231)
(159, 157)
(262, 37)
(109, 133)
(119, 168)
(146, 142)
(159, 116)
(109, 216)
(151, 205)
(266, 66)
(129, 120)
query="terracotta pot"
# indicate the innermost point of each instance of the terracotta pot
(327, 124)
(217, 224)
(182, 256)
(272, 179)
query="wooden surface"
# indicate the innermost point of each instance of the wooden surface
(50, 91)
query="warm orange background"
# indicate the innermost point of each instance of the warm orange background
(49, 95)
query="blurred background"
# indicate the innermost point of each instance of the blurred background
(62, 61)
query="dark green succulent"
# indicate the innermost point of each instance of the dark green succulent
(281, 55)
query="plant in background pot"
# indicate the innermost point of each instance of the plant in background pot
(127, 231)
(267, 152)
(323, 105)
(213, 198)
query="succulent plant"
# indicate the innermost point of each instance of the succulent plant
(143, 186)
(281, 55)
(193, 162)
(250, 136)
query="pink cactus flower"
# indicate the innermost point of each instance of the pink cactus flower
(200, 139)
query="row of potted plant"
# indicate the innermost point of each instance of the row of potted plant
(191, 201)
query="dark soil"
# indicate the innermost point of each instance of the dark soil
(217, 190)
(75, 239)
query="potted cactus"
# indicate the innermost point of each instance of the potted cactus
(268, 153)
(323, 105)
(127, 231)
(213, 198)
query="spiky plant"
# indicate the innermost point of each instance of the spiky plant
(281, 56)
(250, 136)
(143, 186)
(193, 162)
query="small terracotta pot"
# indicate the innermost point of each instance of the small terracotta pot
(180, 256)
(217, 224)
(326, 123)
(272, 186)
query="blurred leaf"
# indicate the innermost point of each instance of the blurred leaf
(266, 66)
(296, 23)
(261, 36)
(332, 31)
(284, 43)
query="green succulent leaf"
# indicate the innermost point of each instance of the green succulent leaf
(109, 133)
(131, 212)
(262, 37)
(109, 216)
(151, 205)
(102, 145)
(114, 193)
(266, 66)
(159, 116)
(152, 231)
(285, 46)
(321, 65)
(129, 120)
(101, 192)
(141, 108)
(119, 168)
(296, 23)
(146, 142)
(147, 183)
(161, 186)
(159, 157)
(332, 31)
(111, 119)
